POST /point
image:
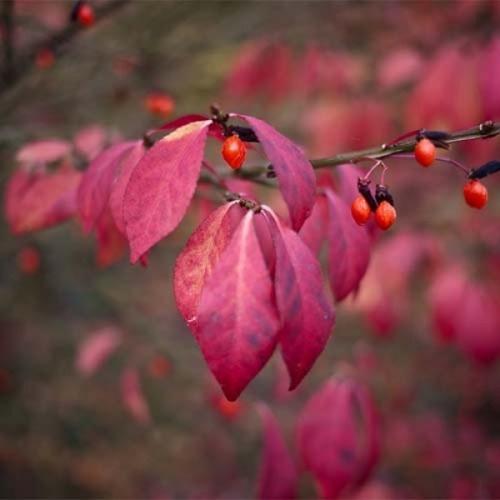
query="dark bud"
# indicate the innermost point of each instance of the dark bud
(438, 137)
(484, 170)
(382, 194)
(148, 141)
(73, 16)
(245, 133)
(271, 173)
(364, 191)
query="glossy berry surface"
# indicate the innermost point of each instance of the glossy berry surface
(425, 152)
(234, 151)
(385, 215)
(475, 194)
(86, 16)
(360, 210)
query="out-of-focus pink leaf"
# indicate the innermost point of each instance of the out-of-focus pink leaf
(132, 396)
(306, 316)
(314, 230)
(201, 253)
(237, 321)
(399, 67)
(338, 436)
(95, 188)
(294, 172)
(489, 79)
(42, 152)
(278, 476)
(90, 141)
(111, 244)
(39, 199)
(349, 248)
(128, 161)
(161, 187)
(348, 176)
(96, 349)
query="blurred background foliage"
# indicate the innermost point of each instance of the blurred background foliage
(67, 434)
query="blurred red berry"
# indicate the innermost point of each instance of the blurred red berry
(159, 104)
(44, 59)
(85, 15)
(28, 260)
(228, 409)
(360, 210)
(234, 151)
(475, 194)
(425, 152)
(385, 215)
(159, 367)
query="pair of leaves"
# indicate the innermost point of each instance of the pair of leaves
(245, 283)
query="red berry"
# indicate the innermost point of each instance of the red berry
(86, 16)
(234, 151)
(475, 194)
(425, 152)
(44, 59)
(360, 210)
(385, 215)
(160, 104)
(28, 260)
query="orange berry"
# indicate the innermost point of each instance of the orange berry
(360, 210)
(234, 151)
(228, 409)
(85, 15)
(385, 215)
(28, 260)
(425, 152)
(475, 194)
(44, 59)
(160, 104)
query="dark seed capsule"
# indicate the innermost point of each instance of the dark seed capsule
(382, 194)
(484, 170)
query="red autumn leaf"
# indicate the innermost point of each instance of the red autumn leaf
(125, 167)
(96, 349)
(278, 476)
(42, 152)
(237, 322)
(162, 185)
(306, 316)
(349, 248)
(133, 397)
(201, 253)
(111, 244)
(338, 436)
(294, 172)
(314, 230)
(214, 130)
(95, 188)
(40, 199)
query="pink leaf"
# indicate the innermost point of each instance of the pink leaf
(314, 230)
(338, 436)
(132, 396)
(111, 244)
(349, 248)
(294, 172)
(128, 161)
(90, 141)
(306, 316)
(201, 253)
(237, 320)
(94, 190)
(96, 349)
(162, 185)
(278, 476)
(38, 200)
(42, 152)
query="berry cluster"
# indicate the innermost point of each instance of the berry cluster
(382, 205)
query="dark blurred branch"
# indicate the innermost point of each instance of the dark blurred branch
(24, 62)
(482, 131)
(8, 72)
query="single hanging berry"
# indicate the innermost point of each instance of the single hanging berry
(385, 215)
(475, 194)
(85, 15)
(360, 210)
(234, 151)
(425, 152)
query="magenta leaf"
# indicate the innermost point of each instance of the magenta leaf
(201, 253)
(125, 167)
(95, 188)
(349, 248)
(40, 199)
(278, 476)
(43, 152)
(237, 321)
(294, 172)
(90, 141)
(314, 230)
(161, 187)
(306, 316)
(338, 436)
